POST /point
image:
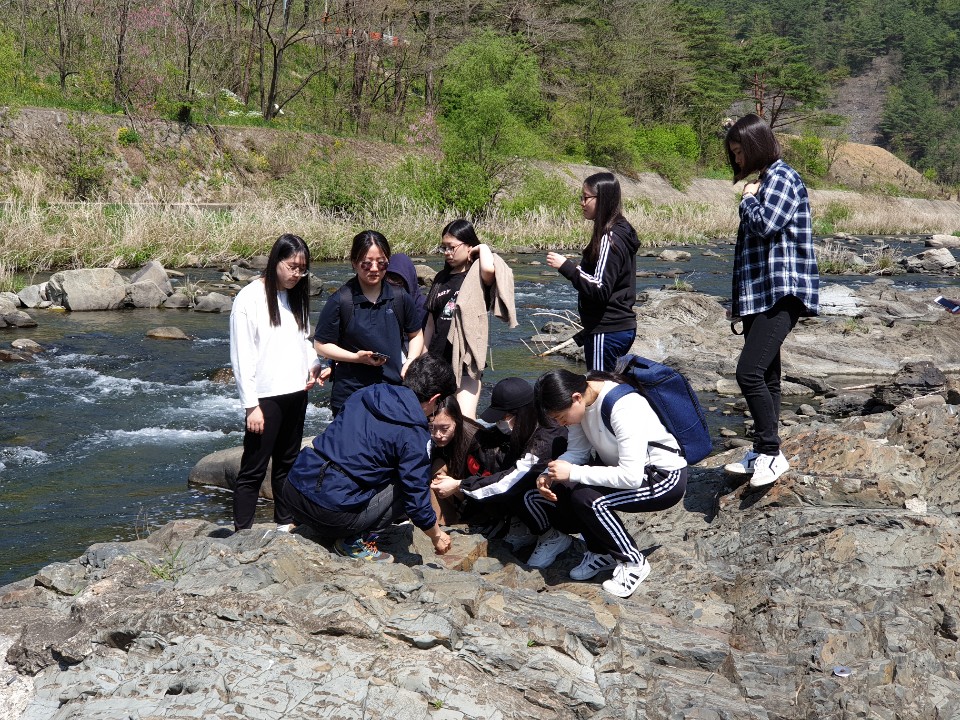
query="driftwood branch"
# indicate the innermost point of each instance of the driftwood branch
(556, 348)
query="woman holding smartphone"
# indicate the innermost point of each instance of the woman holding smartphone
(362, 325)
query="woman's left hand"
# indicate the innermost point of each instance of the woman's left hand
(555, 260)
(543, 485)
(751, 188)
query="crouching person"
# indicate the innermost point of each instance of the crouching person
(371, 466)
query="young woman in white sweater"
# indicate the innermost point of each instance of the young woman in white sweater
(274, 364)
(636, 467)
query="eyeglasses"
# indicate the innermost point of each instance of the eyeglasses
(449, 249)
(368, 264)
(297, 271)
(586, 198)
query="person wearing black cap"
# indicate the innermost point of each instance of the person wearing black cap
(516, 450)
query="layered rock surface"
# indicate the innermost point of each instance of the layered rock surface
(755, 597)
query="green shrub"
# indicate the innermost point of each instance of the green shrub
(670, 150)
(84, 160)
(667, 140)
(343, 185)
(128, 136)
(539, 191)
(443, 185)
(807, 156)
(824, 222)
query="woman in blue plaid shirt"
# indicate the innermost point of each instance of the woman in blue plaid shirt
(775, 283)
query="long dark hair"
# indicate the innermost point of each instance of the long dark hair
(553, 391)
(524, 425)
(286, 246)
(364, 240)
(609, 206)
(757, 142)
(463, 231)
(458, 449)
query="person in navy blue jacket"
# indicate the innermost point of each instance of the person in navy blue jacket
(775, 283)
(371, 466)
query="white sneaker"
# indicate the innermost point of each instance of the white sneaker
(549, 546)
(767, 468)
(627, 578)
(744, 466)
(591, 565)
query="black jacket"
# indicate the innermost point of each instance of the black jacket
(517, 475)
(607, 288)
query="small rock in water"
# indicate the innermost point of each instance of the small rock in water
(27, 345)
(168, 333)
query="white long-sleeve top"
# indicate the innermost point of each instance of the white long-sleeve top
(267, 360)
(626, 451)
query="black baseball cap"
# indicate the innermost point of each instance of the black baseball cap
(509, 395)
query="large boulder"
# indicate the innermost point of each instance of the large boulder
(943, 241)
(32, 295)
(168, 333)
(214, 303)
(937, 260)
(154, 272)
(177, 301)
(220, 469)
(88, 289)
(145, 294)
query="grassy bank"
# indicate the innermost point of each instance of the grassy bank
(38, 237)
(35, 236)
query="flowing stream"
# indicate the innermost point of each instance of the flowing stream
(98, 435)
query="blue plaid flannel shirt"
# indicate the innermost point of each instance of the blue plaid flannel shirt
(774, 256)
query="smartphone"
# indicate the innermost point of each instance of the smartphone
(380, 356)
(950, 305)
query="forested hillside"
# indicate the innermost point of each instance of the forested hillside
(632, 84)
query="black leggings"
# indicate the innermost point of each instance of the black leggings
(280, 441)
(758, 370)
(590, 510)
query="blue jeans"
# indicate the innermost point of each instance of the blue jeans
(602, 350)
(758, 369)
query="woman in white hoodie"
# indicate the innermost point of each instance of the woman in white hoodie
(640, 469)
(274, 364)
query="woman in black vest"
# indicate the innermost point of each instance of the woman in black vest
(362, 326)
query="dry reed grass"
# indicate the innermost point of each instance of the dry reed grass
(883, 215)
(37, 235)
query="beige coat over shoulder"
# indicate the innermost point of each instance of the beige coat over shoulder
(470, 329)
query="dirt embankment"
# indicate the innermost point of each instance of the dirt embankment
(171, 162)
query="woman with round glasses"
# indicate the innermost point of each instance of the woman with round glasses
(274, 365)
(362, 326)
(606, 278)
(460, 247)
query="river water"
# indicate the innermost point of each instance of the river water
(97, 437)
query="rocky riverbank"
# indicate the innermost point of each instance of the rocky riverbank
(757, 602)
(831, 594)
